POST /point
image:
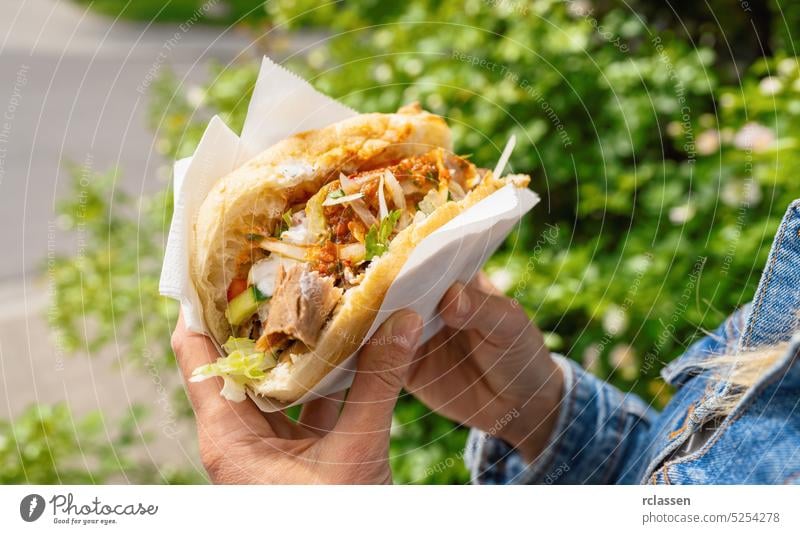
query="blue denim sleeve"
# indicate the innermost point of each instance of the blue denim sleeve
(600, 431)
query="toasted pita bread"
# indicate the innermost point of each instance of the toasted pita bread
(258, 193)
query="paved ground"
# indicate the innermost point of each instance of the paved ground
(70, 91)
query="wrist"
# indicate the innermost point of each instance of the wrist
(535, 419)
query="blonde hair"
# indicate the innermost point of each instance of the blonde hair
(741, 371)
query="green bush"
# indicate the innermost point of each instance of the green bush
(616, 128)
(656, 216)
(181, 11)
(108, 293)
(48, 445)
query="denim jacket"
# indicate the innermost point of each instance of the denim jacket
(605, 436)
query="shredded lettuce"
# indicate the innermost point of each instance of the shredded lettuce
(244, 344)
(376, 241)
(317, 226)
(432, 200)
(243, 365)
(339, 193)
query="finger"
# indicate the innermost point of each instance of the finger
(281, 424)
(320, 415)
(382, 366)
(193, 350)
(475, 306)
(482, 282)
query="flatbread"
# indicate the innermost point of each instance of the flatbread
(257, 194)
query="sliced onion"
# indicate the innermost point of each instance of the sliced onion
(456, 190)
(403, 221)
(361, 209)
(382, 209)
(342, 200)
(289, 250)
(354, 185)
(398, 197)
(349, 185)
(354, 252)
(409, 187)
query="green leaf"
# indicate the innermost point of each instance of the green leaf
(284, 224)
(376, 241)
(239, 343)
(241, 367)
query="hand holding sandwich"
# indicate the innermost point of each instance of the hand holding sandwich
(240, 444)
(291, 256)
(488, 368)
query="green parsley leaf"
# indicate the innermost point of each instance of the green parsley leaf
(283, 225)
(260, 297)
(376, 241)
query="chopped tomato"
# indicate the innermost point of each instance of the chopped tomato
(327, 258)
(238, 285)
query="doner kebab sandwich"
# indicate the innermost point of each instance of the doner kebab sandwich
(293, 253)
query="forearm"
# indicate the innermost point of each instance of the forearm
(597, 430)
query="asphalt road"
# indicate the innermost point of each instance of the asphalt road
(71, 90)
(74, 89)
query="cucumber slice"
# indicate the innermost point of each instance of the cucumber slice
(244, 305)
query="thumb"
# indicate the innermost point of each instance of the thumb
(471, 307)
(382, 365)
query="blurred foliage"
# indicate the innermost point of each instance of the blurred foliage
(663, 177)
(425, 447)
(181, 11)
(108, 292)
(47, 445)
(179, 117)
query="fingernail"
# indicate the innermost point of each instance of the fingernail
(462, 305)
(405, 328)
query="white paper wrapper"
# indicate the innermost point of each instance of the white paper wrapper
(283, 104)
